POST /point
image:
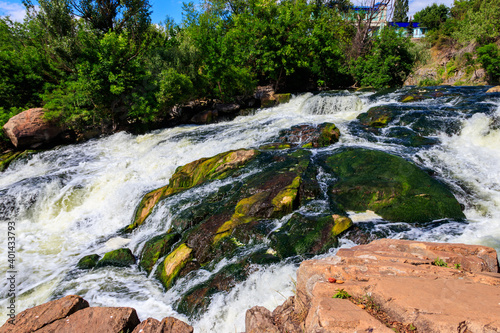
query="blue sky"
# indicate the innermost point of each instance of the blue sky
(173, 8)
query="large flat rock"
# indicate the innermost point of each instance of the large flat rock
(434, 287)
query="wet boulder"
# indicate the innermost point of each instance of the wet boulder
(409, 138)
(29, 129)
(377, 117)
(192, 174)
(88, 262)
(390, 186)
(309, 235)
(118, 258)
(155, 248)
(306, 136)
(495, 89)
(171, 266)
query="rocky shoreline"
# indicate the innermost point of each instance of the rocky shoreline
(385, 286)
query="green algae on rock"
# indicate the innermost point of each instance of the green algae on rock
(119, 258)
(169, 269)
(88, 262)
(192, 174)
(155, 248)
(389, 185)
(309, 235)
(377, 117)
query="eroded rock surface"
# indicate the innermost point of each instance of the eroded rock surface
(435, 287)
(73, 314)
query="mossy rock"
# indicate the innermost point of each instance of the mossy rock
(119, 258)
(192, 174)
(377, 117)
(276, 146)
(155, 248)
(7, 158)
(88, 262)
(389, 185)
(169, 269)
(309, 136)
(308, 235)
(282, 98)
(409, 138)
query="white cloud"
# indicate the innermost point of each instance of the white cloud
(16, 11)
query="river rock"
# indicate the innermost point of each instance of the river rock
(306, 136)
(7, 158)
(167, 325)
(402, 279)
(155, 248)
(119, 258)
(390, 186)
(28, 129)
(34, 319)
(96, 319)
(495, 89)
(88, 262)
(377, 117)
(259, 319)
(218, 167)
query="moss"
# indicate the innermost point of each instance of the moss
(408, 99)
(285, 201)
(308, 235)
(342, 223)
(88, 262)
(120, 258)
(394, 188)
(282, 98)
(155, 248)
(169, 269)
(330, 134)
(276, 146)
(377, 117)
(242, 214)
(192, 174)
(7, 158)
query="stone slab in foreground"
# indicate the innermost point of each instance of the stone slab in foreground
(402, 278)
(72, 314)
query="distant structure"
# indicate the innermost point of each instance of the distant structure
(405, 28)
(377, 14)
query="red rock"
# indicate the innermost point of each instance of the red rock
(258, 320)
(332, 280)
(96, 319)
(28, 129)
(33, 319)
(149, 325)
(172, 325)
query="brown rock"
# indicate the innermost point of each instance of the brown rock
(399, 276)
(494, 89)
(167, 325)
(172, 325)
(96, 319)
(29, 130)
(33, 319)
(260, 320)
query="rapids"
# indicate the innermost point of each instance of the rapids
(73, 200)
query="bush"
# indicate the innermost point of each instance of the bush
(489, 58)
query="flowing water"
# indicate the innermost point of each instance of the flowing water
(73, 200)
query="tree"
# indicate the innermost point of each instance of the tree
(489, 57)
(432, 17)
(400, 11)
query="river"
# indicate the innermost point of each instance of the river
(73, 200)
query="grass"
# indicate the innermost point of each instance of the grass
(342, 294)
(439, 262)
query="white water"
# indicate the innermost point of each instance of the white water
(72, 201)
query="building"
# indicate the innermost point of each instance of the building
(404, 27)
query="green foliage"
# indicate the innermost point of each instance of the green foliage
(489, 58)
(387, 64)
(457, 266)
(427, 82)
(477, 21)
(439, 262)
(342, 294)
(432, 16)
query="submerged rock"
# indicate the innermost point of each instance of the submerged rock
(155, 248)
(119, 258)
(390, 186)
(377, 117)
(306, 136)
(88, 262)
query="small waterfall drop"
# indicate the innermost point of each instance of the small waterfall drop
(344, 104)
